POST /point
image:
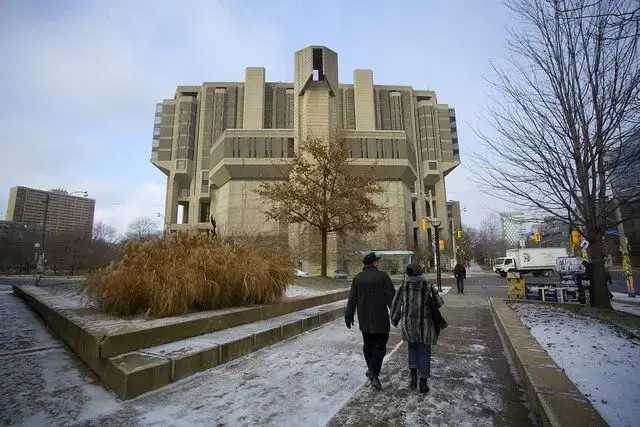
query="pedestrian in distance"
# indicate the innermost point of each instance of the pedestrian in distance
(411, 309)
(371, 296)
(460, 272)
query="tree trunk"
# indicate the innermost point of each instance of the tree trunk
(323, 249)
(600, 292)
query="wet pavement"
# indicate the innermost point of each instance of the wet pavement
(471, 382)
(314, 379)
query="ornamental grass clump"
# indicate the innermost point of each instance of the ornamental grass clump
(185, 273)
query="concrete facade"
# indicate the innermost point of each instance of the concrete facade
(57, 210)
(218, 141)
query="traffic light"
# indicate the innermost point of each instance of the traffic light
(575, 237)
(441, 245)
(459, 234)
(423, 223)
(536, 236)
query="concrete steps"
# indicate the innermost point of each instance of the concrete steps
(134, 373)
(135, 355)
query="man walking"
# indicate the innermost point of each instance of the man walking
(460, 273)
(372, 294)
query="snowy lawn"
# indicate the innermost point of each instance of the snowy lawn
(600, 359)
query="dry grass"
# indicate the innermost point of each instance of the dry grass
(185, 273)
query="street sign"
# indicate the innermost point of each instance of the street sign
(584, 244)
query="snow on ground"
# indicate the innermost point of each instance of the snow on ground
(601, 361)
(299, 291)
(620, 297)
(300, 382)
(627, 308)
(623, 302)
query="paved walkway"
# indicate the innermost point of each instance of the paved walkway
(471, 381)
(305, 381)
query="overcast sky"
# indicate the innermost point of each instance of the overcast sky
(79, 79)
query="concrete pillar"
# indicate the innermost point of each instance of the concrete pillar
(254, 98)
(171, 200)
(364, 104)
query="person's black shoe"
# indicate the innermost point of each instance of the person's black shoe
(369, 375)
(375, 383)
(413, 382)
(424, 388)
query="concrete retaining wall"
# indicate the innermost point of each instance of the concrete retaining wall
(555, 399)
(136, 371)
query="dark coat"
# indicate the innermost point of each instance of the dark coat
(411, 310)
(372, 293)
(460, 271)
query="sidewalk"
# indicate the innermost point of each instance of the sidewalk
(471, 381)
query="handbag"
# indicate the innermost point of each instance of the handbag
(436, 317)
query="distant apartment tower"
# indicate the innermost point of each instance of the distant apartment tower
(217, 142)
(512, 227)
(59, 211)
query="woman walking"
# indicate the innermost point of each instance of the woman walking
(411, 309)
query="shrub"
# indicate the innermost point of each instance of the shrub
(188, 272)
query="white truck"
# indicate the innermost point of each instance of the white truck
(538, 261)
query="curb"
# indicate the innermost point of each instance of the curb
(555, 399)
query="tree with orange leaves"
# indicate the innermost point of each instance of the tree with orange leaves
(326, 190)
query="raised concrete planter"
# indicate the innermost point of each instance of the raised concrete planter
(183, 358)
(133, 356)
(555, 399)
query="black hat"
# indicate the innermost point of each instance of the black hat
(370, 258)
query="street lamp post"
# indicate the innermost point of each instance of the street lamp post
(436, 225)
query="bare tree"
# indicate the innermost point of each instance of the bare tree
(105, 233)
(562, 112)
(323, 191)
(143, 228)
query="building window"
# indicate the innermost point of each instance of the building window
(433, 166)
(268, 147)
(290, 147)
(364, 148)
(318, 69)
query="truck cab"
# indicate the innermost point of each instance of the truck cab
(498, 263)
(504, 264)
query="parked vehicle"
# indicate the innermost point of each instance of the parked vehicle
(300, 273)
(538, 261)
(340, 274)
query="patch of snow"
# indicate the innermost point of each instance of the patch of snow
(601, 362)
(298, 291)
(445, 290)
(627, 308)
(300, 382)
(619, 296)
(207, 341)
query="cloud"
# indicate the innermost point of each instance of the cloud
(145, 200)
(80, 88)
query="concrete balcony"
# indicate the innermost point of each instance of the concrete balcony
(183, 166)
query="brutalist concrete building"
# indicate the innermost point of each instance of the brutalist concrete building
(216, 142)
